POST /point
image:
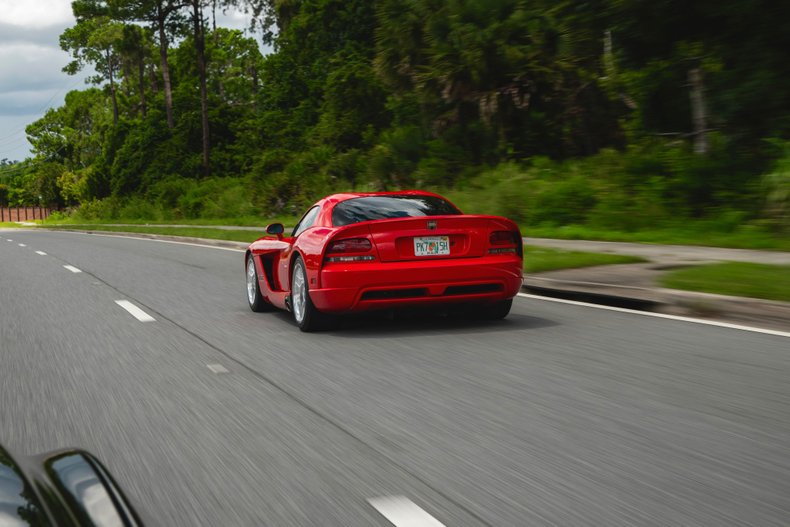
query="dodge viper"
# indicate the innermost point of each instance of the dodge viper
(366, 251)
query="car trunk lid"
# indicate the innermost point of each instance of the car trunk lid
(429, 237)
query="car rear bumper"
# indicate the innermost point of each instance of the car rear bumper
(380, 285)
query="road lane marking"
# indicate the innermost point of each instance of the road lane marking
(42, 253)
(660, 315)
(402, 512)
(160, 241)
(135, 311)
(22, 245)
(217, 368)
(72, 268)
(8, 240)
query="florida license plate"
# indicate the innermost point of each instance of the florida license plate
(431, 245)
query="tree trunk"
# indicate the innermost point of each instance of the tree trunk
(699, 114)
(141, 71)
(112, 88)
(163, 43)
(200, 48)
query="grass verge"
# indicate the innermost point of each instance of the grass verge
(190, 232)
(250, 221)
(541, 259)
(741, 239)
(771, 282)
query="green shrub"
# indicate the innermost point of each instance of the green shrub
(99, 209)
(776, 187)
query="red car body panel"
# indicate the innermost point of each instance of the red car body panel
(394, 276)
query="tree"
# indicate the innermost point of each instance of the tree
(95, 39)
(134, 49)
(502, 64)
(164, 17)
(198, 33)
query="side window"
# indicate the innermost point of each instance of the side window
(307, 221)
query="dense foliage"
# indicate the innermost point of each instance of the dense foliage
(619, 114)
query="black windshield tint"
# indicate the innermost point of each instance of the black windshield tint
(386, 207)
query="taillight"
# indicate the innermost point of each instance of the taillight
(345, 250)
(504, 242)
(350, 245)
(502, 238)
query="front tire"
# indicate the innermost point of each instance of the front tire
(305, 314)
(254, 298)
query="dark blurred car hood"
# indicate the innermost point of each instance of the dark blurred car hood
(68, 488)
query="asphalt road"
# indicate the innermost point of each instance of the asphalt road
(558, 415)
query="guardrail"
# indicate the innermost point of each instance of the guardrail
(24, 213)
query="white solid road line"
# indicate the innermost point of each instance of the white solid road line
(72, 268)
(42, 253)
(135, 311)
(661, 315)
(402, 512)
(162, 241)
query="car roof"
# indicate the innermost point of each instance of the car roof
(337, 198)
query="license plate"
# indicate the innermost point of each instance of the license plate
(431, 245)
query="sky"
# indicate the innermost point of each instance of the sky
(31, 80)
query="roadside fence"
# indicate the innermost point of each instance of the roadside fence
(24, 213)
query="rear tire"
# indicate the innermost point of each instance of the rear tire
(254, 298)
(496, 311)
(305, 314)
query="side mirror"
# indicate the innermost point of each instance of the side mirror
(87, 489)
(275, 228)
(63, 487)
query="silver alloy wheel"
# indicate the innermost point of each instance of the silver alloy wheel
(251, 279)
(298, 292)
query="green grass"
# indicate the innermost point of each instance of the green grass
(771, 282)
(744, 238)
(191, 232)
(241, 222)
(541, 259)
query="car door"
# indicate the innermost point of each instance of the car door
(283, 269)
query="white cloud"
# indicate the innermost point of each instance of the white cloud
(31, 67)
(36, 13)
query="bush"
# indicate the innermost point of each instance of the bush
(776, 187)
(98, 209)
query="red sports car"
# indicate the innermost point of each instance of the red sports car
(365, 251)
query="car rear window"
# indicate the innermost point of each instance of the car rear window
(368, 208)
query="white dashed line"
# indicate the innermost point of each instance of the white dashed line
(42, 253)
(161, 241)
(660, 315)
(8, 240)
(135, 311)
(22, 245)
(402, 512)
(217, 368)
(72, 268)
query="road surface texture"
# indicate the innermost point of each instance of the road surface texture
(213, 415)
